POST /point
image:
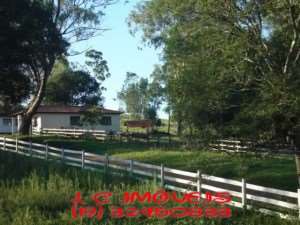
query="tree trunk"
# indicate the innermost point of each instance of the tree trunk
(24, 127)
(179, 124)
(169, 126)
(169, 122)
(295, 139)
(190, 136)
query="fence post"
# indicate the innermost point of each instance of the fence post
(106, 162)
(162, 175)
(82, 159)
(16, 144)
(4, 144)
(199, 181)
(30, 148)
(46, 151)
(244, 194)
(237, 146)
(155, 177)
(299, 202)
(62, 155)
(131, 168)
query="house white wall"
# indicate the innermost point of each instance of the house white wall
(7, 128)
(115, 124)
(62, 120)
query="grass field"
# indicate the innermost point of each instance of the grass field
(33, 192)
(270, 171)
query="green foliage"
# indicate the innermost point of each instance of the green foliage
(150, 114)
(28, 38)
(98, 64)
(72, 86)
(231, 66)
(40, 193)
(270, 171)
(14, 88)
(92, 116)
(158, 123)
(134, 94)
(35, 33)
(79, 20)
(157, 87)
(143, 98)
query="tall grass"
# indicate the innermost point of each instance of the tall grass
(33, 192)
(270, 171)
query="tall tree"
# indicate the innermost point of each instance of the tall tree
(44, 29)
(134, 95)
(73, 88)
(27, 37)
(231, 64)
(78, 86)
(142, 97)
(157, 87)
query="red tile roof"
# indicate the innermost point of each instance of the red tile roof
(71, 109)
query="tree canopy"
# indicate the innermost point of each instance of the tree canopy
(28, 38)
(35, 33)
(143, 97)
(77, 86)
(231, 66)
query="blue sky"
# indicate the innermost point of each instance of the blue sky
(121, 50)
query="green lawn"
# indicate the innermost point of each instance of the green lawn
(33, 192)
(276, 172)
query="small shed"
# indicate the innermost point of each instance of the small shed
(145, 124)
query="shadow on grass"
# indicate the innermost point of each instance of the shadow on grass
(100, 147)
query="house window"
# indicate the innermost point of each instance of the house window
(106, 120)
(75, 120)
(7, 122)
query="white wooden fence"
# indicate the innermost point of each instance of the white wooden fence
(98, 134)
(248, 146)
(245, 195)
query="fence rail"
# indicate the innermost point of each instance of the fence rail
(98, 134)
(249, 146)
(245, 195)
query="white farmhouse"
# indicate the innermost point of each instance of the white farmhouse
(64, 117)
(68, 117)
